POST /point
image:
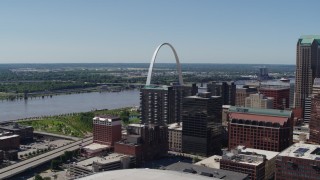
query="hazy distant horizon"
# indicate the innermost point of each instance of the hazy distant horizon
(76, 31)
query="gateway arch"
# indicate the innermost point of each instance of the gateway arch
(154, 59)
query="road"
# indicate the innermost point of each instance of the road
(41, 159)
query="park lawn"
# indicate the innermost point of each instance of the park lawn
(77, 125)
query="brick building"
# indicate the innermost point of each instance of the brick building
(280, 94)
(258, 164)
(299, 161)
(314, 123)
(259, 101)
(145, 142)
(175, 137)
(266, 129)
(106, 129)
(242, 93)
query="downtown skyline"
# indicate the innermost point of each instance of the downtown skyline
(128, 32)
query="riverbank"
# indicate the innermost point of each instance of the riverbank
(77, 124)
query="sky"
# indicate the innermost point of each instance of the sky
(103, 31)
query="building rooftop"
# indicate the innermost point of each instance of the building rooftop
(145, 174)
(303, 151)
(8, 137)
(158, 87)
(267, 112)
(102, 160)
(307, 40)
(14, 126)
(244, 155)
(210, 162)
(205, 171)
(96, 146)
(175, 126)
(258, 118)
(108, 118)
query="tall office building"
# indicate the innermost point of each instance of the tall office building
(202, 126)
(162, 104)
(227, 90)
(307, 67)
(314, 123)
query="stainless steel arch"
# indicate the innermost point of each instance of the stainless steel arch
(154, 59)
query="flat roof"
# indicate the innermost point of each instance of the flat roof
(7, 137)
(210, 162)
(216, 173)
(175, 126)
(268, 112)
(87, 163)
(159, 87)
(302, 151)
(14, 127)
(145, 174)
(108, 118)
(269, 154)
(95, 146)
(259, 118)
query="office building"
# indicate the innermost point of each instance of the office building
(259, 101)
(144, 142)
(266, 129)
(263, 73)
(258, 164)
(279, 93)
(299, 161)
(175, 137)
(202, 126)
(162, 104)
(227, 91)
(242, 93)
(307, 110)
(307, 67)
(106, 129)
(25, 132)
(10, 142)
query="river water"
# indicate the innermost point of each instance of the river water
(61, 104)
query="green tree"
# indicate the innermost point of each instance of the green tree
(38, 177)
(55, 164)
(124, 115)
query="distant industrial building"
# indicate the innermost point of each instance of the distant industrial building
(145, 142)
(162, 104)
(175, 137)
(258, 164)
(206, 172)
(242, 93)
(307, 67)
(106, 129)
(279, 93)
(227, 90)
(202, 126)
(94, 165)
(25, 132)
(299, 161)
(266, 129)
(259, 101)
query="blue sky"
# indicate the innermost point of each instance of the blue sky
(206, 31)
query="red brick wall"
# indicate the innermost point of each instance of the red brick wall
(127, 149)
(106, 134)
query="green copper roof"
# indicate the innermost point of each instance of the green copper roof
(308, 39)
(268, 112)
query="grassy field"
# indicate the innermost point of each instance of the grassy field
(78, 125)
